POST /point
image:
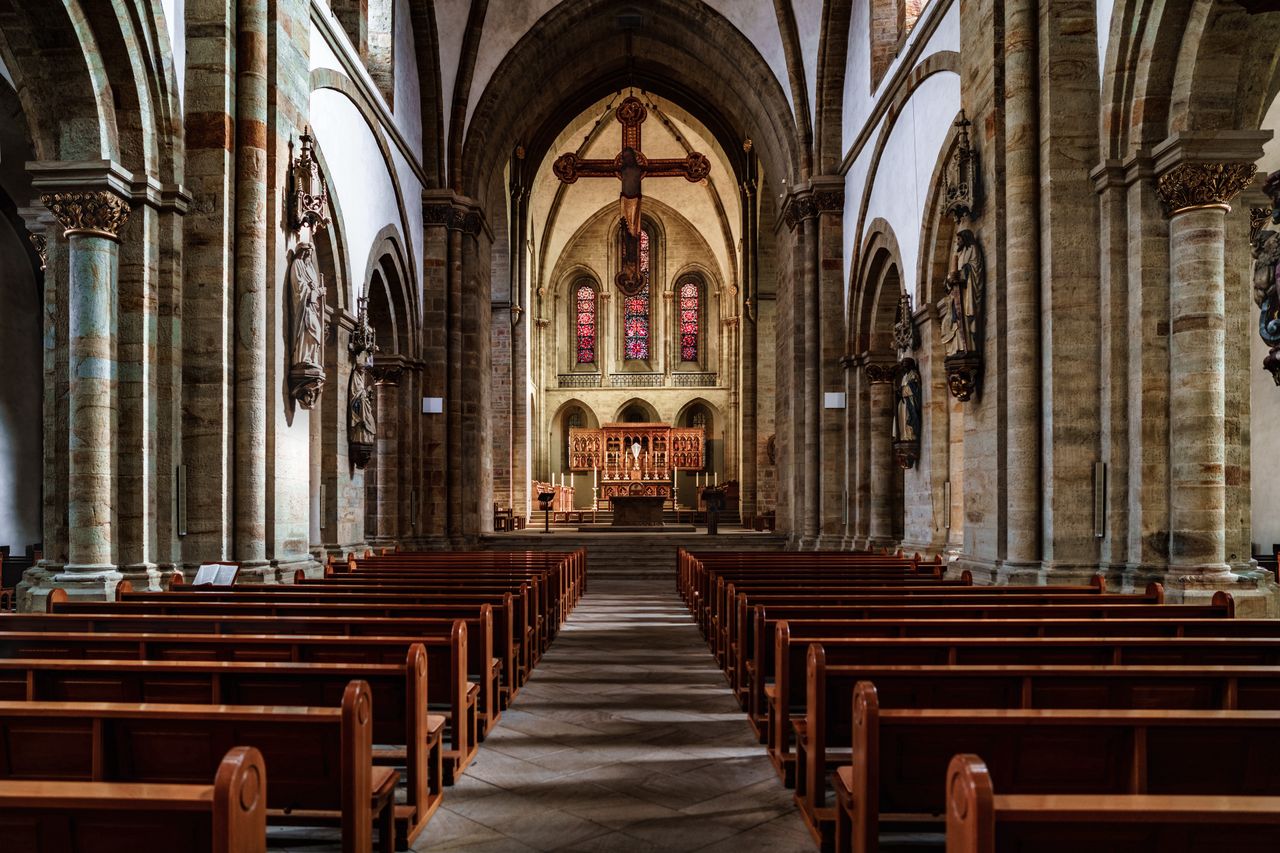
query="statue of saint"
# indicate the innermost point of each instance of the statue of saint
(308, 300)
(362, 424)
(1266, 285)
(961, 308)
(909, 400)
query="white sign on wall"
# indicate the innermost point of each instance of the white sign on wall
(432, 405)
(833, 400)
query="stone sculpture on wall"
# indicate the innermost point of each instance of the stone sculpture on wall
(362, 424)
(1266, 274)
(908, 388)
(908, 416)
(306, 327)
(962, 311)
(308, 195)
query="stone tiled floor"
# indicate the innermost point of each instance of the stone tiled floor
(626, 738)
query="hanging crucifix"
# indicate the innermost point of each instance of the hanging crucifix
(631, 167)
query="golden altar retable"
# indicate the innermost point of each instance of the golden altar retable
(636, 459)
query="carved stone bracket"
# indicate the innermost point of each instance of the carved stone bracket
(98, 213)
(1188, 186)
(964, 375)
(41, 244)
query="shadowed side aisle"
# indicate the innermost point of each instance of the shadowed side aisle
(626, 738)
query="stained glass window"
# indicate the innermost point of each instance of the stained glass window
(586, 324)
(689, 318)
(635, 319)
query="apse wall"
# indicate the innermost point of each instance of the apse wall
(21, 414)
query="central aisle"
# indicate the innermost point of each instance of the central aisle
(626, 738)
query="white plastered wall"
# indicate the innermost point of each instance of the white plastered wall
(1264, 412)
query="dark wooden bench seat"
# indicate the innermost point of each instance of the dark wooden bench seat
(981, 820)
(786, 694)
(1080, 607)
(227, 816)
(734, 615)
(822, 737)
(322, 760)
(396, 690)
(476, 619)
(492, 660)
(900, 756)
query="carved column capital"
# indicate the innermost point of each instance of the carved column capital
(1188, 186)
(879, 370)
(99, 213)
(1205, 169)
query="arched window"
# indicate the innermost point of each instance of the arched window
(586, 324)
(635, 321)
(690, 317)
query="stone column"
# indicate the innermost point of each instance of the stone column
(92, 208)
(386, 457)
(849, 365)
(250, 504)
(883, 471)
(1199, 177)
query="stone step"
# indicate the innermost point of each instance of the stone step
(632, 555)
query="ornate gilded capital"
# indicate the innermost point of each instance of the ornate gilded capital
(101, 213)
(1188, 186)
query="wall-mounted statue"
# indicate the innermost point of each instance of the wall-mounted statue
(908, 419)
(1266, 273)
(362, 424)
(306, 327)
(961, 312)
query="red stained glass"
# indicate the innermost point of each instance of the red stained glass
(586, 324)
(635, 322)
(689, 321)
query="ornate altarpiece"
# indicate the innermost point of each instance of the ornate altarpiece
(636, 458)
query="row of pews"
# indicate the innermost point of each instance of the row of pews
(904, 706)
(128, 724)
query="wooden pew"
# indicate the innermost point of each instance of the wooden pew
(210, 641)
(229, 816)
(735, 609)
(981, 821)
(396, 689)
(763, 643)
(476, 620)
(322, 757)
(492, 629)
(836, 695)
(788, 689)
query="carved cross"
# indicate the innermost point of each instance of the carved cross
(631, 167)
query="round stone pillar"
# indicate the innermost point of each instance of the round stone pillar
(92, 223)
(386, 458)
(882, 470)
(1197, 197)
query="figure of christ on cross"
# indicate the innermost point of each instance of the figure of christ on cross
(631, 167)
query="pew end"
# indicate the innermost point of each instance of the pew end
(1223, 599)
(240, 802)
(1099, 583)
(970, 801)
